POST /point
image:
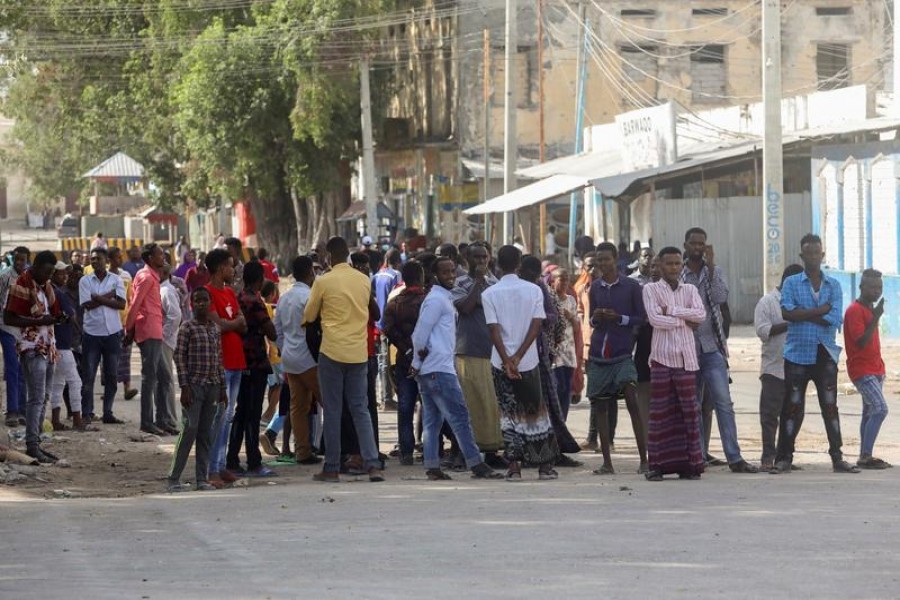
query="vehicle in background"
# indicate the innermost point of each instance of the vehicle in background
(69, 227)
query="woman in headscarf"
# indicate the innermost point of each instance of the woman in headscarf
(189, 260)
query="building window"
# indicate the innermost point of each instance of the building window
(833, 11)
(640, 66)
(638, 12)
(708, 73)
(709, 12)
(833, 66)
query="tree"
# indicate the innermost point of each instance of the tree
(253, 101)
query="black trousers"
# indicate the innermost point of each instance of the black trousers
(823, 374)
(245, 427)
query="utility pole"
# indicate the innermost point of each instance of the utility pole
(487, 129)
(510, 141)
(773, 167)
(896, 102)
(541, 146)
(580, 87)
(370, 192)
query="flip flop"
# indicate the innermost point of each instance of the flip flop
(842, 466)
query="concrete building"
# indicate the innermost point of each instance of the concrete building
(700, 54)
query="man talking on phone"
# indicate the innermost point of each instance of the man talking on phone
(701, 271)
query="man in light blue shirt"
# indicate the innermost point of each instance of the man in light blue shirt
(434, 349)
(300, 367)
(812, 304)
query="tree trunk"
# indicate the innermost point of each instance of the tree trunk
(276, 228)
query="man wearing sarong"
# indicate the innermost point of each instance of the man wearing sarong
(675, 310)
(473, 353)
(514, 312)
(617, 310)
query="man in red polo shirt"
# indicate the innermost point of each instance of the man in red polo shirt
(865, 365)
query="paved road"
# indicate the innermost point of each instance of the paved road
(811, 534)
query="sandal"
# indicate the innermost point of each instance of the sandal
(742, 466)
(689, 476)
(872, 463)
(547, 474)
(513, 475)
(60, 427)
(604, 470)
(653, 476)
(842, 466)
(438, 475)
(482, 471)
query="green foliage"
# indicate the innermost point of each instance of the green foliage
(226, 100)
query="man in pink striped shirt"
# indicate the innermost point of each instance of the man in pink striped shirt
(675, 310)
(144, 324)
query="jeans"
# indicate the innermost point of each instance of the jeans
(407, 396)
(339, 381)
(713, 376)
(875, 410)
(771, 402)
(165, 390)
(38, 373)
(12, 372)
(222, 423)
(93, 348)
(797, 377)
(196, 424)
(442, 399)
(564, 388)
(245, 426)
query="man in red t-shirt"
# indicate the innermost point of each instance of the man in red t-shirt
(226, 312)
(270, 271)
(865, 365)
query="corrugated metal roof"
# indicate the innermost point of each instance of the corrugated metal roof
(535, 193)
(119, 166)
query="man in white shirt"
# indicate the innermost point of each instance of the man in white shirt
(172, 315)
(514, 312)
(771, 328)
(299, 366)
(550, 241)
(101, 295)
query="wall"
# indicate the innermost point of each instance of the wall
(734, 228)
(856, 204)
(889, 326)
(675, 31)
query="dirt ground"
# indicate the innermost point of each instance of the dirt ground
(110, 464)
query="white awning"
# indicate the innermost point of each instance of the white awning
(535, 193)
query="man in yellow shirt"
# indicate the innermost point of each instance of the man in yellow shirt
(342, 299)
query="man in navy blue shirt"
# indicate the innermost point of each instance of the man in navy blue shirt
(617, 310)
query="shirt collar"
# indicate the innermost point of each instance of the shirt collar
(298, 284)
(440, 290)
(605, 283)
(509, 278)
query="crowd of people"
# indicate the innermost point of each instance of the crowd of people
(486, 352)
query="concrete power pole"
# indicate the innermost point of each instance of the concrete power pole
(896, 40)
(510, 141)
(773, 167)
(370, 190)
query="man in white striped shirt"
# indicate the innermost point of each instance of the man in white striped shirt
(675, 310)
